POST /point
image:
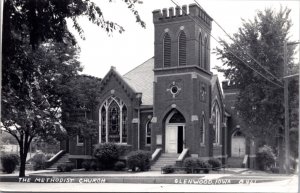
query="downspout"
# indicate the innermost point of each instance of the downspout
(139, 127)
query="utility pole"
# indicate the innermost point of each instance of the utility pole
(286, 111)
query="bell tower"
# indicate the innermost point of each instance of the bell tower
(182, 77)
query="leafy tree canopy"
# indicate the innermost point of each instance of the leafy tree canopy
(39, 59)
(260, 101)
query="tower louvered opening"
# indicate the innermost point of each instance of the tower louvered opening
(205, 54)
(167, 50)
(200, 58)
(182, 49)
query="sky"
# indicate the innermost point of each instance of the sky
(127, 50)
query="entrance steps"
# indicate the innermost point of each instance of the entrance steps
(235, 162)
(63, 159)
(163, 160)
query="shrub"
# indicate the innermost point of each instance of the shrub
(96, 165)
(139, 160)
(215, 163)
(9, 162)
(65, 167)
(190, 163)
(86, 164)
(196, 165)
(265, 157)
(119, 165)
(39, 161)
(49, 156)
(275, 170)
(107, 154)
(124, 149)
(168, 169)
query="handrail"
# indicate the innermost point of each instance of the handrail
(183, 154)
(156, 154)
(53, 159)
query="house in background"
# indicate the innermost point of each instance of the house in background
(172, 102)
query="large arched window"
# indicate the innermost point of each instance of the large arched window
(167, 50)
(113, 121)
(202, 131)
(148, 132)
(205, 54)
(216, 116)
(200, 51)
(182, 49)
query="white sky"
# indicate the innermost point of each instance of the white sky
(127, 50)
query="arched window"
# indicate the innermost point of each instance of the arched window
(113, 121)
(200, 51)
(202, 131)
(182, 49)
(148, 132)
(205, 54)
(216, 116)
(167, 50)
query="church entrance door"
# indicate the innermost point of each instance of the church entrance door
(238, 145)
(174, 134)
(171, 139)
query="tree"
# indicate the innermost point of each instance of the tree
(39, 56)
(260, 102)
(79, 102)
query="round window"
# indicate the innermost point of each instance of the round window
(174, 89)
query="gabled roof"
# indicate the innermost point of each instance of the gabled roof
(215, 83)
(130, 91)
(141, 80)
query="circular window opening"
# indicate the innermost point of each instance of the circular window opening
(174, 89)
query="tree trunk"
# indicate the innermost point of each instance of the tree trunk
(24, 147)
(22, 165)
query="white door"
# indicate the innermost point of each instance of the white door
(171, 139)
(238, 147)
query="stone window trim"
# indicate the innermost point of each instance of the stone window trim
(121, 122)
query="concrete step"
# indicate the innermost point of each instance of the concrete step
(163, 160)
(235, 162)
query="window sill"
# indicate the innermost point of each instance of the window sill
(202, 145)
(217, 145)
(79, 144)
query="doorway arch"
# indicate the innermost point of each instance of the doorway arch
(174, 132)
(238, 144)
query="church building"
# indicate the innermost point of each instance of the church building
(171, 102)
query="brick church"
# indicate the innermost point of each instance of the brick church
(172, 102)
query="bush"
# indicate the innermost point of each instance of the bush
(49, 156)
(65, 167)
(86, 164)
(107, 154)
(265, 157)
(275, 170)
(190, 163)
(124, 149)
(168, 169)
(196, 165)
(139, 160)
(96, 165)
(119, 166)
(215, 163)
(9, 162)
(39, 161)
